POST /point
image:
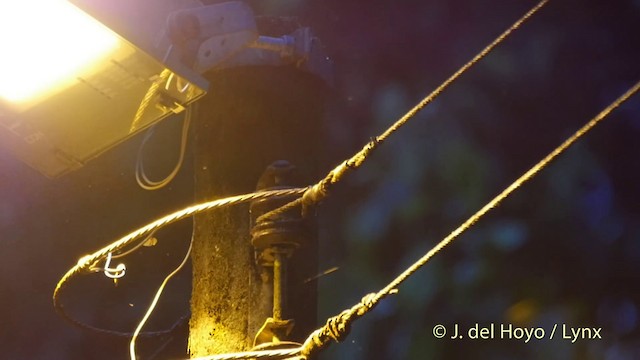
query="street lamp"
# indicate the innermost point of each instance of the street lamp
(78, 77)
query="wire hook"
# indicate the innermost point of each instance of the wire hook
(113, 273)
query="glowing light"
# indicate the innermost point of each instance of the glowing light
(44, 43)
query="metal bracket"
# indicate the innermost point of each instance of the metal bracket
(202, 36)
(273, 331)
(275, 241)
(225, 35)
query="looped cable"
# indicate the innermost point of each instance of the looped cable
(141, 177)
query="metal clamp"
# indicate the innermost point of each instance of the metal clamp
(275, 240)
(225, 35)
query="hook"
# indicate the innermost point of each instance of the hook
(113, 273)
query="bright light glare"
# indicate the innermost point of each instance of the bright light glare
(44, 43)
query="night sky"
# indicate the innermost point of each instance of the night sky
(565, 249)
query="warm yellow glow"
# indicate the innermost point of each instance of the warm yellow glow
(43, 44)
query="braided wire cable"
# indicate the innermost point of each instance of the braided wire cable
(319, 191)
(278, 354)
(87, 263)
(148, 96)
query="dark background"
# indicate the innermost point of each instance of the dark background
(565, 249)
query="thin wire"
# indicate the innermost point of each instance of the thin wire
(88, 262)
(136, 247)
(319, 191)
(141, 176)
(132, 344)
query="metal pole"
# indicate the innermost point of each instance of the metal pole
(251, 117)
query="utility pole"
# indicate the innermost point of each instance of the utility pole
(251, 117)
